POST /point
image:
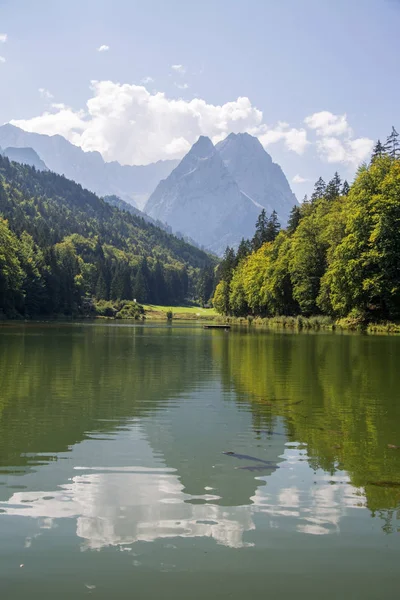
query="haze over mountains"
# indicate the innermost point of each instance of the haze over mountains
(133, 184)
(217, 192)
(212, 196)
(26, 156)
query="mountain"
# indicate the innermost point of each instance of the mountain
(133, 184)
(216, 193)
(122, 205)
(201, 199)
(61, 245)
(25, 156)
(256, 175)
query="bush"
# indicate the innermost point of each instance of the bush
(119, 309)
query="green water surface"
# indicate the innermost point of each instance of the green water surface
(114, 483)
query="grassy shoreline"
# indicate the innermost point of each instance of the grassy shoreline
(313, 323)
(155, 312)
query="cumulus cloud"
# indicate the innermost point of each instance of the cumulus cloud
(147, 80)
(129, 124)
(3, 38)
(336, 142)
(60, 120)
(103, 48)
(45, 94)
(295, 139)
(326, 124)
(353, 152)
(299, 179)
(2, 59)
(179, 69)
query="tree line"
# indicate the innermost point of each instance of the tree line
(338, 256)
(61, 246)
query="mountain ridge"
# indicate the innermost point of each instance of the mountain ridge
(134, 184)
(216, 193)
(26, 156)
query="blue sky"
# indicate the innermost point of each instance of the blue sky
(318, 78)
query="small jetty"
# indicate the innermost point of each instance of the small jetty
(226, 327)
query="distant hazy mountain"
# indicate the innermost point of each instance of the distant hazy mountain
(215, 194)
(122, 205)
(202, 200)
(25, 156)
(133, 184)
(256, 175)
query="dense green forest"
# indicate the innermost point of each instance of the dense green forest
(339, 256)
(61, 246)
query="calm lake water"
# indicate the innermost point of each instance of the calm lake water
(114, 482)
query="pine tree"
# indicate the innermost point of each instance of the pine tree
(319, 190)
(273, 227)
(158, 288)
(243, 250)
(378, 151)
(141, 291)
(345, 188)
(333, 188)
(205, 284)
(227, 265)
(260, 236)
(294, 219)
(392, 145)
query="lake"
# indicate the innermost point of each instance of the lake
(114, 482)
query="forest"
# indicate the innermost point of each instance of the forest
(339, 255)
(62, 247)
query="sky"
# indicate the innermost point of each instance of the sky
(315, 80)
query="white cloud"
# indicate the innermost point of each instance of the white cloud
(352, 152)
(129, 124)
(177, 147)
(179, 69)
(299, 179)
(103, 48)
(2, 59)
(45, 94)
(3, 38)
(64, 121)
(182, 86)
(295, 139)
(147, 80)
(336, 142)
(327, 124)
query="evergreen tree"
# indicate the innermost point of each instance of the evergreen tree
(141, 283)
(205, 284)
(273, 227)
(345, 188)
(378, 151)
(392, 145)
(260, 236)
(319, 190)
(333, 188)
(101, 287)
(227, 265)
(159, 288)
(243, 250)
(294, 219)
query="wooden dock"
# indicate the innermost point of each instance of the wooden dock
(226, 327)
